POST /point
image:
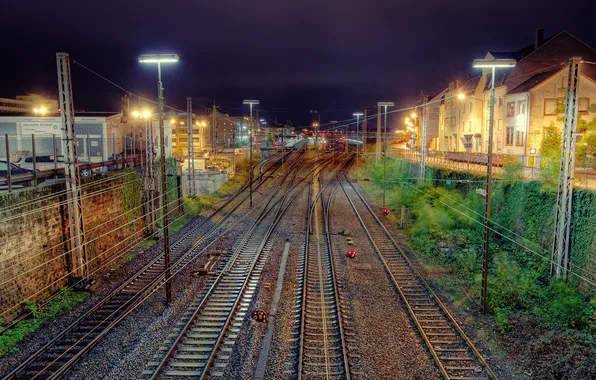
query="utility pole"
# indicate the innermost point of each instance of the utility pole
(357, 114)
(364, 130)
(164, 189)
(78, 252)
(250, 139)
(149, 176)
(258, 125)
(379, 105)
(214, 132)
(563, 216)
(492, 64)
(191, 150)
(378, 151)
(423, 142)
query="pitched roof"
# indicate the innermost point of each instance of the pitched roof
(533, 81)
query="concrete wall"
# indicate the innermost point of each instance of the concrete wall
(204, 183)
(34, 249)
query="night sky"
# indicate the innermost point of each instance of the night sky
(333, 55)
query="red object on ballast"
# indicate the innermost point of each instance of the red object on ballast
(260, 191)
(351, 254)
(386, 211)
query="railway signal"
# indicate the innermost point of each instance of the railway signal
(386, 211)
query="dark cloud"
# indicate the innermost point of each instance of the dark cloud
(293, 55)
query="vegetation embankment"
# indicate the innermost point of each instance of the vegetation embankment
(547, 326)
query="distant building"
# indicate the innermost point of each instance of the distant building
(26, 104)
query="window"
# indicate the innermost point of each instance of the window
(463, 126)
(446, 121)
(470, 107)
(500, 102)
(469, 125)
(510, 109)
(499, 147)
(500, 124)
(550, 106)
(509, 136)
(583, 105)
(487, 124)
(446, 140)
(521, 107)
(453, 122)
(519, 138)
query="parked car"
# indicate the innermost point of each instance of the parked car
(44, 162)
(18, 176)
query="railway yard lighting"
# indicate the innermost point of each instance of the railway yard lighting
(159, 59)
(491, 64)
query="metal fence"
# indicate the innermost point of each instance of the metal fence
(95, 154)
(531, 166)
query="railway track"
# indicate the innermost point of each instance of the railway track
(454, 353)
(202, 345)
(322, 341)
(61, 353)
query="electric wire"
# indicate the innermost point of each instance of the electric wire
(549, 260)
(87, 232)
(87, 242)
(81, 266)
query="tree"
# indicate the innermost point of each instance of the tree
(550, 151)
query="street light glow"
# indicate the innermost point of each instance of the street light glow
(489, 63)
(146, 114)
(136, 114)
(158, 58)
(461, 96)
(413, 115)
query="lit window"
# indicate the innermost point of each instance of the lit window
(521, 107)
(519, 138)
(583, 105)
(550, 106)
(500, 102)
(500, 124)
(510, 109)
(509, 136)
(469, 125)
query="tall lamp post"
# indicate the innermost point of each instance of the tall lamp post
(490, 64)
(385, 105)
(316, 125)
(357, 114)
(159, 59)
(250, 139)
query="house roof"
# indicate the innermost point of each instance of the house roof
(533, 81)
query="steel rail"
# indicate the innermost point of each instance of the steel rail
(417, 276)
(304, 280)
(183, 333)
(131, 301)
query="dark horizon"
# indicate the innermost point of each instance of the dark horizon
(337, 57)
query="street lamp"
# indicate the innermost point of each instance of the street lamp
(413, 115)
(357, 114)
(250, 139)
(491, 64)
(159, 59)
(40, 111)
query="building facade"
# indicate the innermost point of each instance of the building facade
(529, 99)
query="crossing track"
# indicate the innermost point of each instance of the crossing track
(452, 350)
(322, 344)
(202, 345)
(61, 353)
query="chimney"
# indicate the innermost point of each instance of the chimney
(539, 38)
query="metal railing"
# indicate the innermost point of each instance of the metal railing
(531, 166)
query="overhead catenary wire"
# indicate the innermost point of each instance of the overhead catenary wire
(102, 266)
(87, 242)
(173, 273)
(86, 232)
(26, 203)
(549, 260)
